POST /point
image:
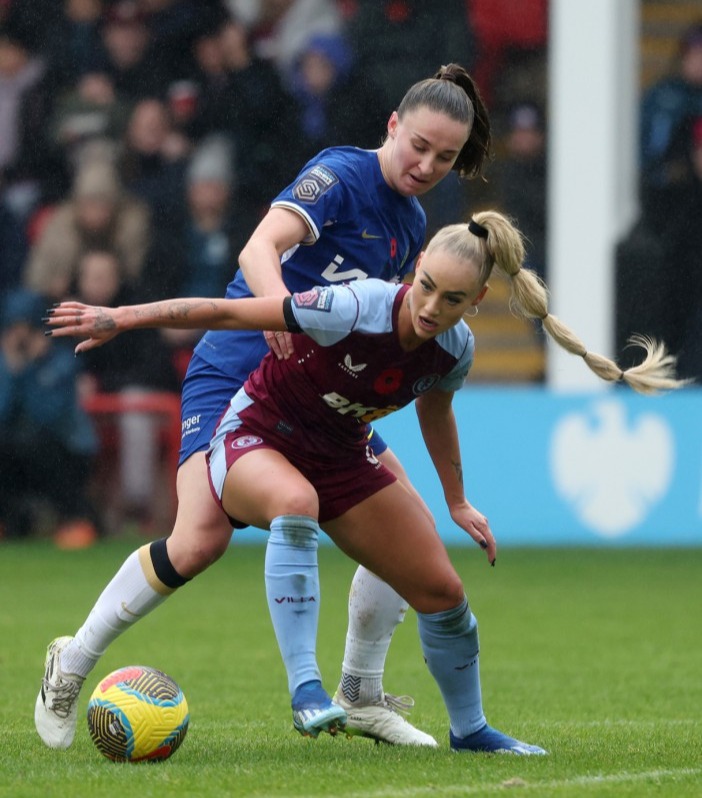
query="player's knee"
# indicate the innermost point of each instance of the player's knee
(451, 592)
(296, 500)
(455, 592)
(440, 594)
(205, 552)
(194, 548)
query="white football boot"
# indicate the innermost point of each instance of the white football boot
(382, 720)
(56, 709)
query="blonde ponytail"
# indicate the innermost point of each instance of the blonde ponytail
(529, 299)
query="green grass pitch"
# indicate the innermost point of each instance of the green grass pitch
(595, 654)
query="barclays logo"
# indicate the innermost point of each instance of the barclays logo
(610, 469)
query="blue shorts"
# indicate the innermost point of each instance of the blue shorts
(206, 394)
(376, 441)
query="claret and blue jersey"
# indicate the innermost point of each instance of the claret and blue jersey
(349, 369)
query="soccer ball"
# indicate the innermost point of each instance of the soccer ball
(137, 713)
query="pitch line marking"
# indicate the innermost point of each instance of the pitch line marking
(519, 784)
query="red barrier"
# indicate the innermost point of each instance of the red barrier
(164, 404)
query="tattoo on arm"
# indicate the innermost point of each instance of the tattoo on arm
(104, 322)
(458, 468)
(179, 309)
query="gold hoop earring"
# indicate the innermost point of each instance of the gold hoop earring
(474, 313)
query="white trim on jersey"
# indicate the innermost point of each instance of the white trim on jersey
(309, 221)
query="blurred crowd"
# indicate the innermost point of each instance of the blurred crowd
(659, 263)
(140, 143)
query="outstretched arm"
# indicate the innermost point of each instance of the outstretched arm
(97, 325)
(438, 425)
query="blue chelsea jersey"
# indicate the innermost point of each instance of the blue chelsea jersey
(358, 228)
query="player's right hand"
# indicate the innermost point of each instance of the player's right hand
(96, 325)
(280, 343)
(477, 526)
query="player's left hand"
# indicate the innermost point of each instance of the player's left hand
(280, 343)
(477, 526)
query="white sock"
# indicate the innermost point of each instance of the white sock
(127, 598)
(375, 610)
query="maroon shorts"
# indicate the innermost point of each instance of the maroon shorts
(340, 484)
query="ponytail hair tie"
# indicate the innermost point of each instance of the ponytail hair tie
(448, 76)
(477, 229)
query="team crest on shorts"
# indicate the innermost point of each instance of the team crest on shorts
(310, 187)
(245, 441)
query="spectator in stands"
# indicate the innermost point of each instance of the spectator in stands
(216, 106)
(133, 371)
(171, 24)
(74, 45)
(665, 109)
(99, 213)
(90, 110)
(211, 244)
(666, 235)
(200, 256)
(280, 30)
(647, 299)
(13, 249)
(20, 71)
(34, 19)
(129, 55)
(330, 94)
(32, 173)
(182, 101)
(683, 248)
(242, 95)
(154, 160)
(401, 41)
(519, 179)
(46, 441)
(510, 49)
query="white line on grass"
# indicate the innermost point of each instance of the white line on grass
(658, 722)
(484, 789)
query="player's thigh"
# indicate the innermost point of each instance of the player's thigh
(262, 484)
(390, 534)
(390, 460)
(202, 531)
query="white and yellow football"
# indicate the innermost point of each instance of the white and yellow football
(136, 714)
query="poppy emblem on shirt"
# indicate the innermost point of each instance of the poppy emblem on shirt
(388, 381)
(245, 441)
